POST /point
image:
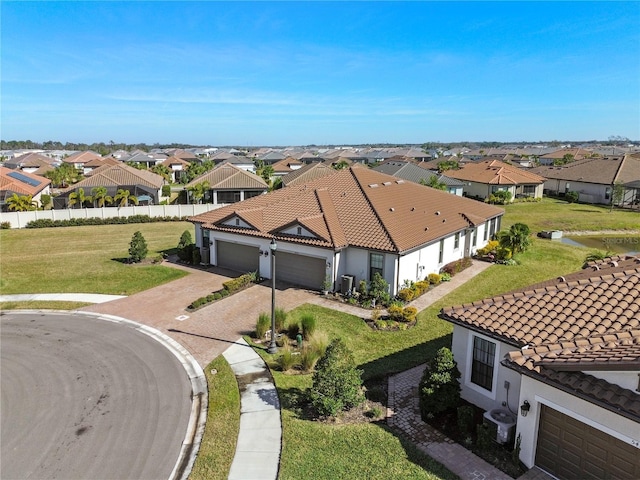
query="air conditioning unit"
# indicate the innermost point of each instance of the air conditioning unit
(205, 256)
(504, 423)
(347, 283)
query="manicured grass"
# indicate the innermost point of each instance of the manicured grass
(42, 305)
(553, 214)
(223, 422)
(84, 259)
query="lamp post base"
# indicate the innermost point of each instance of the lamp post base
(273, 348)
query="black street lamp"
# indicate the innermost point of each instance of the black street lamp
(273, 348)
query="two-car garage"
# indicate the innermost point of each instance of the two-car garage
(302, 270)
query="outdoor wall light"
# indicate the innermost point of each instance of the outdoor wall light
(524, 408)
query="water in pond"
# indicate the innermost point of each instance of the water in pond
(616, 244)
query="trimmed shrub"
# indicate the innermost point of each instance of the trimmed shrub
(572, 197)
(503, 253)
(434, 278)
(196, 258)
(457, 266)
(439, 387)
(238, 283)
(421, 287)
(224, 293)
(263, 324)
(5, 225)
(166, 190)
(488, 248)
(309, 324)
(137, 248)
(445, 277)
(409, 314)
(406, 294)
(337, 383)
(395, 312)
(78, 222)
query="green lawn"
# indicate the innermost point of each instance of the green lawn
(553, 214)
(84, 259)
(223, 421)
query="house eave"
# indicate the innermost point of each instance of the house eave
(569, 390)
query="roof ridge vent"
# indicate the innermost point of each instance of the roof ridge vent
(386, 184)
(373, 185)
(562, 279)
(613, 263)
(437, 212)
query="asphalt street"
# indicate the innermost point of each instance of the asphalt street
(82, 397)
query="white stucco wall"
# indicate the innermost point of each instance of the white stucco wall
(629, 379)
(537, 393)
(462, 348)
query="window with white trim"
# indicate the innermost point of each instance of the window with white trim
(456, 241)
(376, 262)
(483, 362)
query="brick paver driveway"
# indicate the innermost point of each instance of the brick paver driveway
(207, 332)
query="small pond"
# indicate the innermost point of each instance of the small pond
(616, 244)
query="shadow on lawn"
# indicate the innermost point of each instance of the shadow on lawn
(383, 367)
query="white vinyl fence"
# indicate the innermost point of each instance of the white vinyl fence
(20, 219)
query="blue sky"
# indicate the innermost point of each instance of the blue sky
(298, 73)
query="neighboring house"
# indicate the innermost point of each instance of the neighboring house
(568, 351)
(177, 167)
(308, 173)
(79, 159)
(229, 184)
(147, 160)
(285, 166)
(414, 173)
(22, 184)
(482, 179)
(242, 162)
(32, 163)
(560, 155)
(594, 178)
(146, 186)
(96, 163)
(271, 157)
(355, 222)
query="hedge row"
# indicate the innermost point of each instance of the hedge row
(230, 286)
(79, 222)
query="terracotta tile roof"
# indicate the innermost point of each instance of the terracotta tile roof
(285, 164)
(592, 302)
(612, 351)
(117, 176)
(578, 153)
(584, 321)
(22, 183)
(307, 173)
(494, 172)
(603, 171)
(100, 162)
(361, 208)
(174, 161)
(228, 176)
(30, 160)
(81, 157)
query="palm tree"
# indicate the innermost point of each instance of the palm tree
(434, 182)
(163, 171)
(198, 190)
(516, 238)
(100, 196)
(78, 197)
(21, 203)
(124, 196)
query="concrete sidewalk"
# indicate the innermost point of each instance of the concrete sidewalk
(61, 297)
(260, 435)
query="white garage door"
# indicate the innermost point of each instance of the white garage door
(242, 258)
(300, 270)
